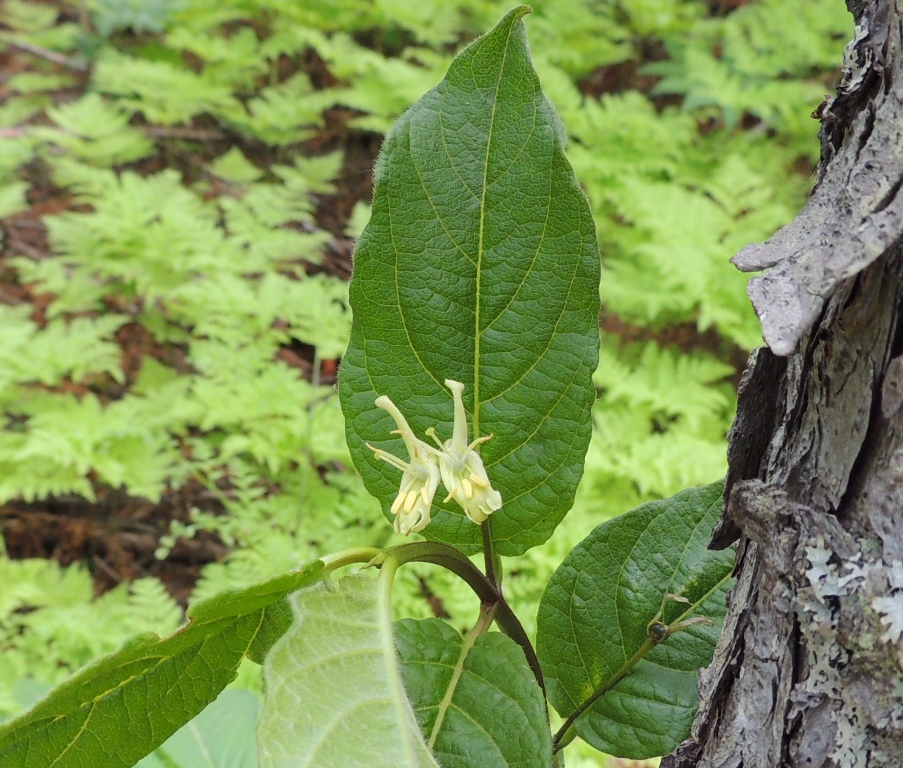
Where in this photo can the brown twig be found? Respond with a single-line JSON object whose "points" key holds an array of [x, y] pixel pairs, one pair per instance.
{"points": [[46, 53], [175, 132]]}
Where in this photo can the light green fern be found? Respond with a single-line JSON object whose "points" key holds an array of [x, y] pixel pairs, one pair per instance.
{"points": [[162, 91], [50, 625]]}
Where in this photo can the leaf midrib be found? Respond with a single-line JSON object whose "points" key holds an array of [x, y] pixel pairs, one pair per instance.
{"points": [[467, 643], [479, 276]]}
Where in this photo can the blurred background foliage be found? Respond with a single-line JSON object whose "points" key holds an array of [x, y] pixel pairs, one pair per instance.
{"points": [[180, 185]]}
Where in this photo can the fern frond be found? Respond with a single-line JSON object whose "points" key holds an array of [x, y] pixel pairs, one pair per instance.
{"points": [[234, 61], [163, 92], [96, 131], [667, 382], [379, 86], [74, 349], [287, 113]]}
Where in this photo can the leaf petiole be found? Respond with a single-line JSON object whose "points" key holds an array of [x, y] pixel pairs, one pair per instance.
{"points": [[453, 560], [368, 555]]}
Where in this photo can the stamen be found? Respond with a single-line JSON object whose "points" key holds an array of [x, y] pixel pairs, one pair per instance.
{"points": [[478, 481], [411, 501], [468, 488], [389, 458], [432, 433], [479, 440]]}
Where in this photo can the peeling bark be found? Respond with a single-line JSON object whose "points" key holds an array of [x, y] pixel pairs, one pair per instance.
{"points": [[809, 669]]}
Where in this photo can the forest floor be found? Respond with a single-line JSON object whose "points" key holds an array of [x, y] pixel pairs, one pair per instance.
{"points": [[116, 535]]}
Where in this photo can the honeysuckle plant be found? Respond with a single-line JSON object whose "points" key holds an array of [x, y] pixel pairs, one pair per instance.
{"points": [[474, 341]]}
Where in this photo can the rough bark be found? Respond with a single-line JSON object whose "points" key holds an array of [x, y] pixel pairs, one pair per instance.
{"points": [[808, 670]]}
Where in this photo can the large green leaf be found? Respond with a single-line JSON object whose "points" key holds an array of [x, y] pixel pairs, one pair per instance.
{"points": [[594, 614], [123, 706], [479, 264], [477, 702], [334, 695]]}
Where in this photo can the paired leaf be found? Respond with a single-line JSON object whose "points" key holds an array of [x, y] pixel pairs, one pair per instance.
{"points": [[123, 706], [594, 613], [477, 704], [334, 695], [479, 264]]}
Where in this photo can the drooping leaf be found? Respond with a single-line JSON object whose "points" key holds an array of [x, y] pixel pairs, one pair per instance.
{"points": [[334, 695], [477, 703], [123, 706], [222, 736], [594, 614], [479, 264]]}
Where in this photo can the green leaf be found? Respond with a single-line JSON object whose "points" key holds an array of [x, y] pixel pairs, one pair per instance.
{"points": [[477, 701], [479, 264], [124, 705], [137, 15], [12, 198], [334, 691], [222, 736], [235, 167], [594, 614]]}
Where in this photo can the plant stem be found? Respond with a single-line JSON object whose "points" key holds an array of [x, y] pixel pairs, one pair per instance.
{"points": [[350, 557], [315, 371], [453, 560], [567, 733], [493, 563], [387, 571], [491, 600], [84, 17]]}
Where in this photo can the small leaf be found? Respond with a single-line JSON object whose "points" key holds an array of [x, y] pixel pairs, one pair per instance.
{"points": [[123, 706], [12, 198], [480, 265], [334, 691], [594, 614], [235, 167], [478, 704]]}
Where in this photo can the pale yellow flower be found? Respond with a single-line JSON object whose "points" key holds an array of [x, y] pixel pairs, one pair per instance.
{"points": [[461, 467], [420, 475]]}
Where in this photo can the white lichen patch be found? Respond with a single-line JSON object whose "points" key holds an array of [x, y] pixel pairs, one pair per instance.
{"points": [[833, 608], [823, 574], [853, 743], [890, 607]]}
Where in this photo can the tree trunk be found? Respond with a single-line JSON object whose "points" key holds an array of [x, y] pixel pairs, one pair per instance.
{"points": [[808, 670]]}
